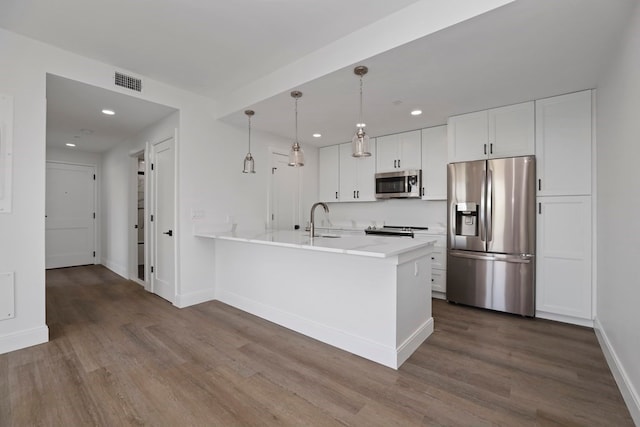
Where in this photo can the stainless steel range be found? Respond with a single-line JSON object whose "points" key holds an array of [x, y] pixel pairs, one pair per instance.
{"points": [[395, 230]]}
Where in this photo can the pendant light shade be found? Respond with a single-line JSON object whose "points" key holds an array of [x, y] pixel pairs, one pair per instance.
{"points": [[296, 155], [249, 164], [360, 141]]}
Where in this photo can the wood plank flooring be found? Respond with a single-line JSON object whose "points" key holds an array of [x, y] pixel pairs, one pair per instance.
{"points": [[121, 356]]}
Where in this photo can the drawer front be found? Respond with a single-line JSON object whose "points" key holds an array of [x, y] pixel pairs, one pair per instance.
{"points": [[439, 258], [438, 280]]}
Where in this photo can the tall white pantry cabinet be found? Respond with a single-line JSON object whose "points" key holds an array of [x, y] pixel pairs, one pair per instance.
{"points": [[564, 138]]}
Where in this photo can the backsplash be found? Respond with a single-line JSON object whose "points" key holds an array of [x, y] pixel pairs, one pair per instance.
{"points": [[417, 213]]}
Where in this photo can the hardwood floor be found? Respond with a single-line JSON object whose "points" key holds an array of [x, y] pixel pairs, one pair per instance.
{"points": [[121, 356]]}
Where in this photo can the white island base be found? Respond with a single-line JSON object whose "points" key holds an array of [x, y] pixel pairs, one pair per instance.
{"points": [[373, 304]]}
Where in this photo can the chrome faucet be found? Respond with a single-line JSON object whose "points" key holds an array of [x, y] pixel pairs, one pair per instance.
{"points": [[312, 228]]}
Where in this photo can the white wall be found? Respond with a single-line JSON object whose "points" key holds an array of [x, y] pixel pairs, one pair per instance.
{"points": [[117, 215], [618, 204], [209, 177], [73, 156]]}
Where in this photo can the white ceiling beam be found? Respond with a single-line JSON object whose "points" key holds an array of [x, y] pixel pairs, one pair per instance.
{"points": [[411, 23]]}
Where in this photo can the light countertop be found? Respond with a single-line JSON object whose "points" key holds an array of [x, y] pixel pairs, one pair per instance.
{"points": [[347, 243]]}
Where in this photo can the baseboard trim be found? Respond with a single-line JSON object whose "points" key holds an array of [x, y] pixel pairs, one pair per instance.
{"points": [[116, 268], [628, 391], [193, 298], [385, 355], [411, 344], [565, 319], [23, 339]]}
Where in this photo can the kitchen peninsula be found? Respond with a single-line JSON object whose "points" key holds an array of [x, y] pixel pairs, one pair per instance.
{"points": [[369, 295]]}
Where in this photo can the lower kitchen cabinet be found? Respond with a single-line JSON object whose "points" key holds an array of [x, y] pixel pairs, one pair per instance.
{"points": [[563, 266], [439, 267]]}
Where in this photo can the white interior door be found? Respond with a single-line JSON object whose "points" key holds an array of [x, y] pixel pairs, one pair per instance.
{"points": [[70, 215], [163, 225], [285, 194]]}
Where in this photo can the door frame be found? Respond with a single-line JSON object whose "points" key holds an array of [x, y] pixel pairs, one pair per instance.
{"points": [[283, 152], [96, 205], [133, 203], [150, 248]]}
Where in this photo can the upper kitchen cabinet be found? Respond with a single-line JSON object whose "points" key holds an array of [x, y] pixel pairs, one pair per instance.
{"points": [[329, 174], [434, 163], [357, 175], [498, 132], [563, 144], [400, 151]]}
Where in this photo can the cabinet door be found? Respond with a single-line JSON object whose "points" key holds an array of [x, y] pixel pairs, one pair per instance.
{"points": [[348, 173], [434, 163], [563, 282], [329, 174], [365, 176], [410, 153], [563, 144], [467, 137], [512, 131], [388, 149]]}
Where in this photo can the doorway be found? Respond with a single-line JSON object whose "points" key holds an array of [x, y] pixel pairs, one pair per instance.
{"points": [[70, 215], [284, 201], [140, 217], [162, 218]]}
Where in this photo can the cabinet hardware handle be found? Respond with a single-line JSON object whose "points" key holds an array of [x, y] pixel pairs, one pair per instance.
{"points": [[539, 208], [354, 194], [358, 192], [539, 184], [485, 148], [336, 195], [491, 148], [423, 192], [398, 162], [394, 164]]}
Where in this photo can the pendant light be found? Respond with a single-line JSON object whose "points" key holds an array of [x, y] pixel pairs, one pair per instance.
{"points": [[249, 164], [360, 141], [296, 155]]}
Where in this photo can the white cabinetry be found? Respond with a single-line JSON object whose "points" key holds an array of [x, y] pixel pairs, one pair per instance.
{"points": [[439, 267], [400, 151], [434, 163], [329, 174], [564, 259], [563, 144], [357, 175], [498, 132], [564, 288]]}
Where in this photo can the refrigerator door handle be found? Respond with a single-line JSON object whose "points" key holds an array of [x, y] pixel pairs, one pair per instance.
{"points": [[482, 219], [520, 259], [489, 212], [473, 255]]}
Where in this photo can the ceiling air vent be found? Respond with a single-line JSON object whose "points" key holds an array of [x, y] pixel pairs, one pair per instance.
{"points": [[128, 82]]}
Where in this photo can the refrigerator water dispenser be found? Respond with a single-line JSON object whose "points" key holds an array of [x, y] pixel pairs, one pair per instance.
{"points": [[467, 219]]}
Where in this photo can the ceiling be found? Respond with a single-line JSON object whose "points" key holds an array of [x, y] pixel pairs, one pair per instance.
{"points": [[528, 49], [74, 115]]}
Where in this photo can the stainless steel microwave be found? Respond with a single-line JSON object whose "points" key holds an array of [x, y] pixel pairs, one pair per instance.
{"points": [[399, 185]]}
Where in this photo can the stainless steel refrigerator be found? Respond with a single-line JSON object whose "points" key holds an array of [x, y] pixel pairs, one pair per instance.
{"points": [[491, 227]]}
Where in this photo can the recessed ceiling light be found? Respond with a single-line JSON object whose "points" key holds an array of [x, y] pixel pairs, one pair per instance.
{"points": [[361, 125], [68, 144], [317, 135], [108, 112], [416, 112]]}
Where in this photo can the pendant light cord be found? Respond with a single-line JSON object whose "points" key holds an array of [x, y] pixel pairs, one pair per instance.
{"points": [[360, 102], [249, 134], [296, 121]]}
